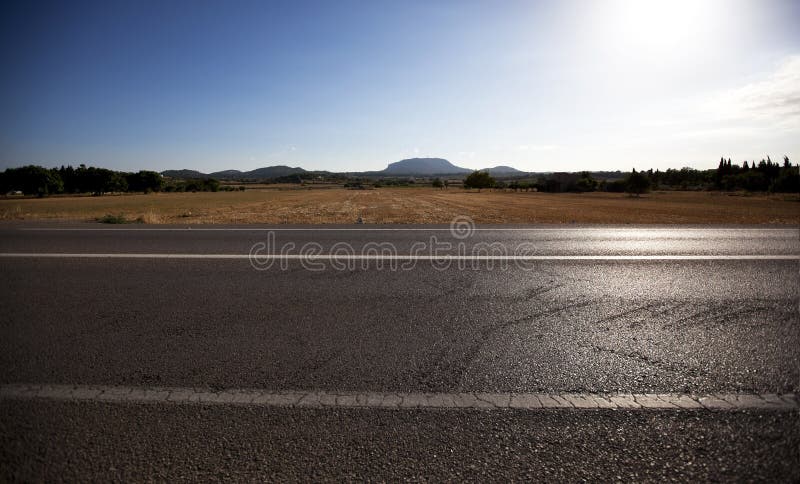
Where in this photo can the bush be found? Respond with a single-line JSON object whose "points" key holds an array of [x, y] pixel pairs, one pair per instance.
{"points": [[199, 185], [113, 219], [479, 179], [586, 183]]}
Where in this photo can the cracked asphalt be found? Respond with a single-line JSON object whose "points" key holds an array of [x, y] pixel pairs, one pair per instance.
{"points": [[649, 326], [61, 441], [639, 326]]}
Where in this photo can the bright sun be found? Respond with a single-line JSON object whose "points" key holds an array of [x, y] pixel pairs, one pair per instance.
{"points": [[657, 25]]}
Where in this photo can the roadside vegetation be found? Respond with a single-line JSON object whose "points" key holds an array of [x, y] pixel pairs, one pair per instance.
{"points": [[113, 219]]}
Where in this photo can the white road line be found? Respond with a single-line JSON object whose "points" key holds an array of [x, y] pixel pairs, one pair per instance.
{"points": [[345, 257], [321, 399]]}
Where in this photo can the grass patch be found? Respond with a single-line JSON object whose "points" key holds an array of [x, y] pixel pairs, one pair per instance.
{"points": [[113, 219], [150, 217]]}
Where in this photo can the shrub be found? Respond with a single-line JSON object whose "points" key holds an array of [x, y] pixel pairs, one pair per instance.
{"points": [[616, 186], [479, 179], [113, 219]]}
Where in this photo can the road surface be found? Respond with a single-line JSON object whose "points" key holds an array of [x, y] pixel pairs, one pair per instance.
{"points": [[418, 311]]}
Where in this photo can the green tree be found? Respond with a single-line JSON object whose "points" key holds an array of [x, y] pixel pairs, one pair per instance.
{"points": [[438, 183], [637, 183], [32, 180], [586, 183], [751, 181], [114, 181], [144, 181], [479, 180], [789, 179]]}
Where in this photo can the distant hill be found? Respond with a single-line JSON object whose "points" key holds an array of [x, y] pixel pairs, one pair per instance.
{"points": [[503, 170], [272, 172], [257, 174], [409, 167], [183, 174], [226, 174], [423, 166]]}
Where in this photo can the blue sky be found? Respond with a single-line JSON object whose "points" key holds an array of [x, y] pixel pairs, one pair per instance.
{"points": [[351, 86]]}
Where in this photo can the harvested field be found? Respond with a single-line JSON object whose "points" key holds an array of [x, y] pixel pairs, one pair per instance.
{"points": [[412, 205]]}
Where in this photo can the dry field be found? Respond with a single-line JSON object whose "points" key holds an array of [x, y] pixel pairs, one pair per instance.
{"points": [[412, 205]]}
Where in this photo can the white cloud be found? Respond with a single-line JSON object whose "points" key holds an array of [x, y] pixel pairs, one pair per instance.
{"points": [[536, 147], [774, 102]]}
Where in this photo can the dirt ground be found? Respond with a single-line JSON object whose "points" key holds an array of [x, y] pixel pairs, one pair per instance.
{"points": [[412, 205]]}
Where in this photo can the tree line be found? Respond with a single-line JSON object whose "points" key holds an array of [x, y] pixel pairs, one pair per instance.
{"points": [[36, 180], [764, 176]]}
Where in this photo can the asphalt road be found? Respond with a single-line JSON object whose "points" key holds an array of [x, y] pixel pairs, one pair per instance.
{"points": [[679, 325], [111, 442], [543, 239]]}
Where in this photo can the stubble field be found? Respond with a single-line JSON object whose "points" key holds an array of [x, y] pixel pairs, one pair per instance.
{"points": [[412, 205]]}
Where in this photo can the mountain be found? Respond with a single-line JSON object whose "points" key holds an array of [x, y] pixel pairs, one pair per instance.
{"points": [[257, 174], [272, 172], [226, 174], [183, 174], [503, 170], [423, 166], [407, 167]]}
